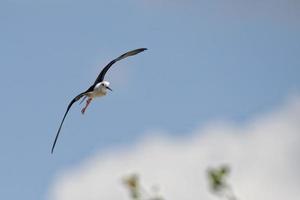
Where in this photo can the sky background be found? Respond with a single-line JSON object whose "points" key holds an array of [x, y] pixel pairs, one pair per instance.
{"points": [[208, 63]]}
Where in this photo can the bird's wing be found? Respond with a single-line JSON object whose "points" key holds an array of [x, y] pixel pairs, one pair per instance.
{"points": [[100, 77], [69, 106]]}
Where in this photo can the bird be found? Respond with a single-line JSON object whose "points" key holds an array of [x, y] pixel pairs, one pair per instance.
{"points": [[98, 89]]}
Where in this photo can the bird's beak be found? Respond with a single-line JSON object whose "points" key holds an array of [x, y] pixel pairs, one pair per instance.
{"points": [[108, 88]]}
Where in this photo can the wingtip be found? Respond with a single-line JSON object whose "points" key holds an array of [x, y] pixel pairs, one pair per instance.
{"points": [[140, 50]]}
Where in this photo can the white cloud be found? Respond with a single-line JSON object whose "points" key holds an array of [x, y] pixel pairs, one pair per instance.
{"points": [[263, 154]]}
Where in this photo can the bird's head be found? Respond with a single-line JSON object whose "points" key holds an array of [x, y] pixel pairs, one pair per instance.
{"points": [[105, 84]]}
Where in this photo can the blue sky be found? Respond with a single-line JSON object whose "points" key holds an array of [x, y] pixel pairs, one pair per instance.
{"points": [[207, 60]]}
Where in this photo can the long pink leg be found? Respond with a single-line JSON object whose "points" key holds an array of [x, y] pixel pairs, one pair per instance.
{"points": [[87, 104]]}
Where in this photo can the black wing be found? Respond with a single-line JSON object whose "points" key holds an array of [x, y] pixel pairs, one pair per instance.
{"points": [[100, 77], [69, 106]]}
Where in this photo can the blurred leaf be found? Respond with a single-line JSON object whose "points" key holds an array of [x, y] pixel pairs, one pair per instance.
{"points": [[217, 177], [132, 183], [137, 192], [218, 182]]}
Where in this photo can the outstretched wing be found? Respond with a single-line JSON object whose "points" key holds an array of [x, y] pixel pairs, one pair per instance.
{"points": [[100, 77], [69, 106]]}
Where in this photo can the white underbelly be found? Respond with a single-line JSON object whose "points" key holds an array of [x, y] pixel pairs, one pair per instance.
{"points": [[96, 94]]}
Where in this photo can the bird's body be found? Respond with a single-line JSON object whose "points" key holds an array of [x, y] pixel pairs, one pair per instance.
{"points": [[98, 89]]}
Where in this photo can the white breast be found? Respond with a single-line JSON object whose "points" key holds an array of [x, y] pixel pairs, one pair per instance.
{"points": [[98, 91]]}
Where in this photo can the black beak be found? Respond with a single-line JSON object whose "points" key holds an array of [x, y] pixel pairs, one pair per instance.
{"points": [[108, 88]]}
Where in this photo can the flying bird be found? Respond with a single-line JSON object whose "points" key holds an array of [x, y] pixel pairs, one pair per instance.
{"points": [[97, 89]]}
